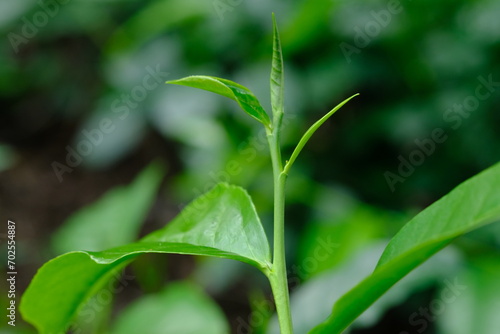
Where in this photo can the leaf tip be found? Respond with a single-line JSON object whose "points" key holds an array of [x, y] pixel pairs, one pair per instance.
{"points": [[275, 24]]}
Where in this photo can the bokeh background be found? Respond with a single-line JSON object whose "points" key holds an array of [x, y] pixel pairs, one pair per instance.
{"points": [[73, 70]]}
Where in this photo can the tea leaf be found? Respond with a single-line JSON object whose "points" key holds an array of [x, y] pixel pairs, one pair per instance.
{"points": [[222, 223], [245, 98], [471, 205], [277, 77]]}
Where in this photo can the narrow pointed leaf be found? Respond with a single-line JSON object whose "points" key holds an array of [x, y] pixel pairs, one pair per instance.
{"points": [[471, 205], [277, 76], [222, 223], [305, 138], [245, 98]]}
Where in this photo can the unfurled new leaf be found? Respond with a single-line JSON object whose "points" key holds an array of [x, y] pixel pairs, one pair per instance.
{"points": [[222, 223], [473, 204], [277, 77], [245, 98]]}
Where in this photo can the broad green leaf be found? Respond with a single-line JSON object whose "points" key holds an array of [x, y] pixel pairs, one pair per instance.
{"points": [[277, 77], [305, 138], [245, 98], [222, 223], [181, 308], [114, 219], [224, 219], [472, 204]]}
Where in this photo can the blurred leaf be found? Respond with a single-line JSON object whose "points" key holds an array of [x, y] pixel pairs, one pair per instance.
{"points": [[217, 275], [177, 116], [277, 76], [474, 309], [310, 20], [222, 223], [7, 157], [245, 98], [262, 312], [10, 13], [114, 219], [181, 308], [154, 18], [95, 314], [473, 204], [330, 243], [150, 271], [123, 136]]}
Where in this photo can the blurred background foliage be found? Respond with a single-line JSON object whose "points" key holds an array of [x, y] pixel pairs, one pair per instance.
{"points": [[68, 66]]}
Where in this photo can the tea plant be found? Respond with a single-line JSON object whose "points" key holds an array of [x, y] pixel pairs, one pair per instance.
{"points": [[224, 223]]}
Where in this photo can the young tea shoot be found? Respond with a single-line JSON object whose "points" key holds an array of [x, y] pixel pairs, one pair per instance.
{"points": [[64, 284]]}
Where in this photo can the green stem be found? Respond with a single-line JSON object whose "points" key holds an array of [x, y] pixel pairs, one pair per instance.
{"points": [[278, 275]]}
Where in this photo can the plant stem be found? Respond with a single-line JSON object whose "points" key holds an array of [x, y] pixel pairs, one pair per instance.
{"points": [[278, 275]]}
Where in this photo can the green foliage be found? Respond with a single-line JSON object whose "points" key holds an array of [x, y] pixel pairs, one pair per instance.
{"points": [[60, 287], [225, 222], [471, 205], [222, 223], [245, 98], [180, 308]]}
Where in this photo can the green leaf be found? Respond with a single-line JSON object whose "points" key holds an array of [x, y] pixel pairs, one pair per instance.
{"points": [[181, 308], [305, 138], [222, 223], [277, 77], [224, 219], [114, 219], [148, 21], [472, 204], [245, 98]]}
